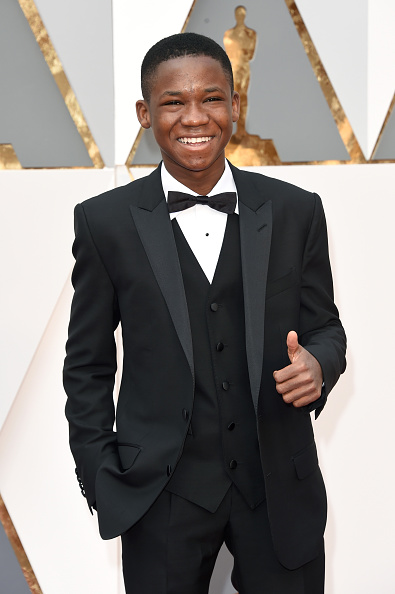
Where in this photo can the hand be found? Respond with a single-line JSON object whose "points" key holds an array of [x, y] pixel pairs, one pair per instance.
{"points": [[301, 382]]}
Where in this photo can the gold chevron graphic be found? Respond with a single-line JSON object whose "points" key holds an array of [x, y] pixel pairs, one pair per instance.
{"points": [[8, 158], [343, 125], [134, 148], [185, 25], [18, 549], [37, 26], [390, 109]]}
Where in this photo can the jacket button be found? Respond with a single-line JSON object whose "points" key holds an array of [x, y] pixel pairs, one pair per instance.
{"points": [[220, 347], [168, 470], [225, 386], [231, 426], [233, 464], [185, 414], [214, 306]]}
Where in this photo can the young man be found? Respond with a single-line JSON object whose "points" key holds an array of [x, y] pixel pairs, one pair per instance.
{"points": [[230, 339]]}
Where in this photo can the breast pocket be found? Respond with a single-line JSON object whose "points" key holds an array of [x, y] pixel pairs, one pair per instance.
{"points": [[281, 284]]}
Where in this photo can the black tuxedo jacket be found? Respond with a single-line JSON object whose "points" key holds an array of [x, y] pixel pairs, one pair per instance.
{"points": [[127, 270]]}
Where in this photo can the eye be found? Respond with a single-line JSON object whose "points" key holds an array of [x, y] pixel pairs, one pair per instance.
{"points": [[173, 102], [210, 99]]}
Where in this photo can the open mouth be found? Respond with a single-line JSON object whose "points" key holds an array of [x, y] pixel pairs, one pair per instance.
{"points": [[199, 140]]}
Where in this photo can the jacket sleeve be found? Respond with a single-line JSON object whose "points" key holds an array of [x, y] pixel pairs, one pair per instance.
{"points": [[322, 333], [90, 364]]}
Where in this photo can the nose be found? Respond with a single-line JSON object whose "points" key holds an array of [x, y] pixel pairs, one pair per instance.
{"points": [[194, 115]]}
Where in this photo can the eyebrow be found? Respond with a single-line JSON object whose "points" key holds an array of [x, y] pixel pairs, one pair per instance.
{"points": [[168, 93], [214, 90], [177, 93]]}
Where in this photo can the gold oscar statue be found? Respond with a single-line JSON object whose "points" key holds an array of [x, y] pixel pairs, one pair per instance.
{"points": [[240, 45], [244, 148]]}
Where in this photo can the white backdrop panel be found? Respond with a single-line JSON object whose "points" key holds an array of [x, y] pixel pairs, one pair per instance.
{"points": [[36, 236], [37, 479]]}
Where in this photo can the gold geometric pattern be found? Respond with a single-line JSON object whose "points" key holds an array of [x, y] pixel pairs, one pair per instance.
{"points": [[8, 158], [130, 157], [343, 125], [390, 110], [19, 551], [40, 33]]}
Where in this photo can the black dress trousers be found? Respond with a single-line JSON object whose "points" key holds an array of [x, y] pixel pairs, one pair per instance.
{"points": [[173, 549]]}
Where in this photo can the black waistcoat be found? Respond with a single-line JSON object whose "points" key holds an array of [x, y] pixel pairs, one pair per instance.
{"points": [[222, 443]]}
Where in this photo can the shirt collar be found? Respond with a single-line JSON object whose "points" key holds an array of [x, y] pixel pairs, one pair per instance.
{"points": [[226, 183]]}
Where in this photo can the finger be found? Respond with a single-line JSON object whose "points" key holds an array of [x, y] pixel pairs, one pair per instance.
{"points": [[298, 382], [284, 374], [309, 390], [305, 401], [292, 345], [297, 367], [307, 398]]}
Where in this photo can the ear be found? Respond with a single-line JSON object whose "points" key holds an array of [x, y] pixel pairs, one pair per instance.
{"points": [[143, 114], [235, 106]]}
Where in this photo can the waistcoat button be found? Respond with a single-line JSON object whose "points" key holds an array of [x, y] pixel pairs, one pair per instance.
{"points": [[185, 414], [231, 426], [168, 470], [214, 306], [225, 386], [233, 464], [220, 346]]}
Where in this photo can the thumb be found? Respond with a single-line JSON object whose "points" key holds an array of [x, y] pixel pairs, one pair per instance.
{"points": [[293, 345]]}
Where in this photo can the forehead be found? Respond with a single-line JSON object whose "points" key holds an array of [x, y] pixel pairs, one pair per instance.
{"points": [[188, 72]]}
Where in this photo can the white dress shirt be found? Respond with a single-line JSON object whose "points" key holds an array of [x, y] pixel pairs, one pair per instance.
{"points": [[202, 226]]}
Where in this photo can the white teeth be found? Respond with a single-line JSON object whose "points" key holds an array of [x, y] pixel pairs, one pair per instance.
{"points": [[187, 140]]}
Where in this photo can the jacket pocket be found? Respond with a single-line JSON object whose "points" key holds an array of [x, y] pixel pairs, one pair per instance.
{"points": [[306, 461], [128, 454], [281, 284]]}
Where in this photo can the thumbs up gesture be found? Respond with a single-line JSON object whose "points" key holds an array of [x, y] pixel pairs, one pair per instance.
{"points": [[299, 383]]}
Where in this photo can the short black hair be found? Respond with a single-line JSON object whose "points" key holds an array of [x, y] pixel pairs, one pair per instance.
{"points": [[177, 46]]}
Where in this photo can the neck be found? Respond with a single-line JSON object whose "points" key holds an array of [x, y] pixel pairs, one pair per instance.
{"points": [[201, 182], [201, 186]]}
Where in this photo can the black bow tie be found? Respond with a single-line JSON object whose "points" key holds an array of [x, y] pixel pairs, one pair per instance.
{"points": [[225, 202]]}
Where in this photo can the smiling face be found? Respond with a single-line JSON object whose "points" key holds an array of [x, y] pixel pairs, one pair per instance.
{"points": [[191, 111]]}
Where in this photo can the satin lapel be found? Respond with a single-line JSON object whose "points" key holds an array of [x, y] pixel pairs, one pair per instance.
{"points": [[255, 239], [156, 234]]}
